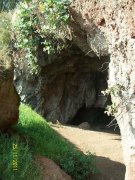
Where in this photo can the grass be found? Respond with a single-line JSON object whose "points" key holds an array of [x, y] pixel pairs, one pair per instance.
{"points": [[26, 167], [40, 139]]}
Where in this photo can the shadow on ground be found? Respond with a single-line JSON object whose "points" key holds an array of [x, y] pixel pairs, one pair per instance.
{"points": [[109, 170], [110, 130]]}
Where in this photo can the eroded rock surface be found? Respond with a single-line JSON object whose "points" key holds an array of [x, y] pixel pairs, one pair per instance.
{"points": [[50, 170], [9, 99], [84, 125], [65, 85], [116, 20], [74, 78]]}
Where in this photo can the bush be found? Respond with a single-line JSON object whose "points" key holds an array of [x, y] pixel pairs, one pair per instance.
{"points": [[41, 22]]}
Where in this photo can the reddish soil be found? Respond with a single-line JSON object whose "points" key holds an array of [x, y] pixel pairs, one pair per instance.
{"points": [[104, 145]]}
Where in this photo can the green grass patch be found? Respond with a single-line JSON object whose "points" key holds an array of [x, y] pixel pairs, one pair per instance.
{"points": [[13, 150], [41, 139]]}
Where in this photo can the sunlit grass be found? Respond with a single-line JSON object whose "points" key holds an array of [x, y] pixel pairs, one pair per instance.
{"points": [[35, 137]]}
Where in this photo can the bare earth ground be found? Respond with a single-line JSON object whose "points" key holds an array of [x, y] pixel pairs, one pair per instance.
{"points": [[105, 146]]}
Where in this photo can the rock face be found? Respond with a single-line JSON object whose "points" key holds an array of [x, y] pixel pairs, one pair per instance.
{"points": [[94, 117], [9, 99], [115, 19], [72, 79], [99, 28], [84, 125], [51, 171], [64, 85]]}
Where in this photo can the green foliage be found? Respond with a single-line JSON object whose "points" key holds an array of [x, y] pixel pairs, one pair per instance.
{"points": [[41, 22], [36, 137], [45, 141], [116, 92], [111, 109], [5, 30], [26, 167], [77, 165]]}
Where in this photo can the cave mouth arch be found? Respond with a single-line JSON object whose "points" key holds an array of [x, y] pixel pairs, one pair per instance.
{"points": [[96, 117]]}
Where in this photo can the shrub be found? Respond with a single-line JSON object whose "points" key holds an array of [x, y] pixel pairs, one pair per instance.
{"points": [[41, 22]]}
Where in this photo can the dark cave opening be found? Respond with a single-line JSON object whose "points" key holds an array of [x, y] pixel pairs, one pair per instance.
{"points": [[96, 117]]}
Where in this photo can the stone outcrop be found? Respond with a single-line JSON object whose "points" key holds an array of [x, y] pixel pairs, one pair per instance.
{"points": [[72, 79], [86, 34], [50, 170], [99, 28], [115, 19], [9, 99], [84, 125], [64, 84]]}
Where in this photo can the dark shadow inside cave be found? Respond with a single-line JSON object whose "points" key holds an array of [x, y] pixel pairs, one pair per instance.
{"points": [[96, 117]]}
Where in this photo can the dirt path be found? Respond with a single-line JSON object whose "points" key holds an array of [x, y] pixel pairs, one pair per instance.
{"points": [[105, 146]]}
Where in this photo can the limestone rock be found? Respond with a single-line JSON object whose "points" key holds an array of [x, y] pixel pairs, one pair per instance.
{"points": [[9, 99], [86, 34], [64, 86], [84, 125], [71, 79], [51, 171]]}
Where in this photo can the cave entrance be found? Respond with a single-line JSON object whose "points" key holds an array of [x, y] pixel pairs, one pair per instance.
{"points": [[96, 118]]}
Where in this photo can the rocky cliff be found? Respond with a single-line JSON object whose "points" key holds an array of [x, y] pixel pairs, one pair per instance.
{"points": [[65, 84], [116, 20], [72, 79], [9, 99]]}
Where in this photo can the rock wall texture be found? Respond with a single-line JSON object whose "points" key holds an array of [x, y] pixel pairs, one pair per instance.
{"points": [[9, 100], [102, 28], [50, 170], [72, 79], [64, 85], [116, 21]]}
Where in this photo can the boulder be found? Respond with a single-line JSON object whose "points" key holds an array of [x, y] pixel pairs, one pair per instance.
{"points": [[84, 125], [51, 171], [9, 99]]}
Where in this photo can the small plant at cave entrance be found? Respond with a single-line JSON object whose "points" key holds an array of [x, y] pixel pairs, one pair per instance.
{"points": [[116, 92], [41, 22]]}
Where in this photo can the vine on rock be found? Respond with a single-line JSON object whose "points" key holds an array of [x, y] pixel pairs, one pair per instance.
{"points": [[41, 22], [114, 91]]}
